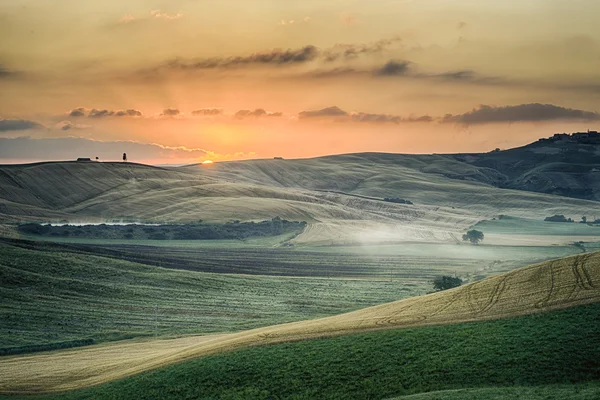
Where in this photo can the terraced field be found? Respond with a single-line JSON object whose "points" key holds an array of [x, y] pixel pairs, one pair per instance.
{"points": [[544, 287]]}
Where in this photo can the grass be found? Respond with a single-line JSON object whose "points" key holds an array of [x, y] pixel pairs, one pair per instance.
{"points": [[49, 294], [560, 347], [544, 287], [523, 226], [582, 391]]}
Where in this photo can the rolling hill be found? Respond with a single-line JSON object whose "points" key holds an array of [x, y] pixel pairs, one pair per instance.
{"points": [[341, 197], [552, 285]]}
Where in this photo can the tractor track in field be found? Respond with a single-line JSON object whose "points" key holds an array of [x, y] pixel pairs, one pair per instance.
{"points": [[562, 283]]}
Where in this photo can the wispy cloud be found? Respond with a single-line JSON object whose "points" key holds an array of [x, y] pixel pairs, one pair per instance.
{"points": [[337, 114], [154, 14], [257, 113], [8, 125]]}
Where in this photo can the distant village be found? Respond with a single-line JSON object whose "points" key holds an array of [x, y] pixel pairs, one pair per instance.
{"points": [[589, 137]]}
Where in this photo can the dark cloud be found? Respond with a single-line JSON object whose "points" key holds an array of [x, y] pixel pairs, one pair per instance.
{"points": [[521, 113], [77, 112], [96, 113], [273, 57], [68, 125], [325, 112], [376, 118], [6, 73], [259, 112], [207, 112], [352, 51], [7, 125], [393, 68], [338, 114], [128, 113], [170, 112], [25, 149]]}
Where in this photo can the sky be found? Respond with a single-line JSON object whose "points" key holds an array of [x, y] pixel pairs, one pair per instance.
{"points": [[184, 81]]}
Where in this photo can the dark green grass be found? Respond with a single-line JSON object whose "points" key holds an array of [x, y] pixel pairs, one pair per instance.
{"points": [[561, 347], [50, 295], [581, 391], [168, 231]]}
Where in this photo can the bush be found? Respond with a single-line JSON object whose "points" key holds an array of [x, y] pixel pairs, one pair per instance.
{"points": [[446, 282], [473, 236]]}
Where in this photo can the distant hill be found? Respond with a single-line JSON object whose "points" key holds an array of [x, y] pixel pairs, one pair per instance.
{"points": [[564, 167], [340, 196]]}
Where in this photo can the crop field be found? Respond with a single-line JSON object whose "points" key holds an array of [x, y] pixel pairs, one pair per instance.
{"points": [[524, 226], [556, 348], [52, 294], [548, 286]]}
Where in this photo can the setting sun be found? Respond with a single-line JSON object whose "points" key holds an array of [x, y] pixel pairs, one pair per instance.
{"points": [[206, 162]]}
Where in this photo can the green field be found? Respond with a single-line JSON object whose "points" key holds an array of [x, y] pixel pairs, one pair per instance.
{"points": [[519, 356], [523, 226], [50, 294]]}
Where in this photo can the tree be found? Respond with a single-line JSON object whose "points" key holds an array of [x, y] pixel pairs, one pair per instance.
{"points": [[584, 219], [446, 282], [473, 236], [124, 157]]}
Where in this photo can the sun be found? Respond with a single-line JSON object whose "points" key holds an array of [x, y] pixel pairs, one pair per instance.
{"points": [[206, 162]]}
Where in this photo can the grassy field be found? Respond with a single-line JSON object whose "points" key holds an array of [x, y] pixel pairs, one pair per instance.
{"points": [[561, 347], [524, 226], [51, 294], [581, 391], [538, 288]]}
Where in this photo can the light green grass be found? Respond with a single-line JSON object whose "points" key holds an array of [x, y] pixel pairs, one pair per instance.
{"points": [[50, 295], [524, 226]]}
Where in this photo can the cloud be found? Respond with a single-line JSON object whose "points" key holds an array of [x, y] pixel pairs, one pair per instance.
{"points": [[7, 125], [534, 112], [161, 15], [273, 57], [77, 112], [276, 57], [6, 73], [154, 14], [96, 113], [461, 25], [259, 112], [170, 112], [352, 51], [206, 112], [323, 113], [337, 114], [393, 68], [68, 125], [128, 113]]}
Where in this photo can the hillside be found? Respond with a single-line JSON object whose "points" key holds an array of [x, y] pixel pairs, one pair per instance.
{"points": [[549, 356], [548, 286], [565, 167], [341, 197]]}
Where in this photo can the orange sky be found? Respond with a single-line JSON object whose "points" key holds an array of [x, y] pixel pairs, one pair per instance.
{"points": [[248, 79]]}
